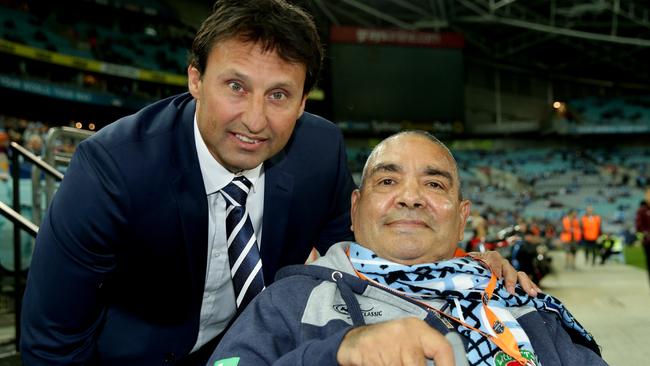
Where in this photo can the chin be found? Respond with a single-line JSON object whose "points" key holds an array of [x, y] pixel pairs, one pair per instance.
{"points": [[244, 164], [412, 256]]}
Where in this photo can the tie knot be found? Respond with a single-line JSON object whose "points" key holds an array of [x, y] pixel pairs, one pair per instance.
{"points": [[236, 191]]}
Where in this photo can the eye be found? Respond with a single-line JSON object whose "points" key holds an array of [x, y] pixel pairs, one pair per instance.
{"points": [[278, 95], [435, 185], [235, 86], [386, 182]]}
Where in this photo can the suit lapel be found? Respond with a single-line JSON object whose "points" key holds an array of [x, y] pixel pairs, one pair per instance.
{"points": [[193, 214], [278, 190], [189, 192]]}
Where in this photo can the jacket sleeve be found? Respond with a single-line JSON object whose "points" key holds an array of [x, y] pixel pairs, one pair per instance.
{"points": [[74, 254], [269, 332], [337, 228], [555, 346]]}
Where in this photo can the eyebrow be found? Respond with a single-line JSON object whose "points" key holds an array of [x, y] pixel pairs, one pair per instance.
{"points": [[238, 75], [246, 79], [395, 168], [385, 167], [431, 171]]}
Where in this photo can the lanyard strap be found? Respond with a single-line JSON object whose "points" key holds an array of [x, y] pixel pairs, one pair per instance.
{"points": [[503, 337]]}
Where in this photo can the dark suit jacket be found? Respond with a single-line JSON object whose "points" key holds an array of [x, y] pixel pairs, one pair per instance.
{"points": [[118, 271]]}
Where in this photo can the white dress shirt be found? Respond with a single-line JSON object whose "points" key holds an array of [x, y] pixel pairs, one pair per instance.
{"points": [[218, 305]]}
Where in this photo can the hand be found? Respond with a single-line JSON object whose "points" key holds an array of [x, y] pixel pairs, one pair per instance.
{"points": [[406, 341], [502, 269]]}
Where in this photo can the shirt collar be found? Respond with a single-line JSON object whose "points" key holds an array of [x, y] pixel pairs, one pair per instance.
{"points": [[215, 176]]}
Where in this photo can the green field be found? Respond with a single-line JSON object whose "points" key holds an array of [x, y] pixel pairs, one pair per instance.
{"points": [[634, 256]]}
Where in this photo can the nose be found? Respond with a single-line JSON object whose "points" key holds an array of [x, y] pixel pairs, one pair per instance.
{"points": [[410, 195], [254, 117]]}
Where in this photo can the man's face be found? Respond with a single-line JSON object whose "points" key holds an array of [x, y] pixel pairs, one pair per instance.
{"points": [[247, 102], [647, 195], [408, 209]]}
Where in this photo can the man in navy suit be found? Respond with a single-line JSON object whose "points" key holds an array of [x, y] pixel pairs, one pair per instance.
{"points": [[131, 265], [131, 262]]}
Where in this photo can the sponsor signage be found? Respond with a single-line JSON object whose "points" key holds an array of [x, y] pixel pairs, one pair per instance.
{"points": [[622, 127], [396, 37], [91, 65], [61, 92]]}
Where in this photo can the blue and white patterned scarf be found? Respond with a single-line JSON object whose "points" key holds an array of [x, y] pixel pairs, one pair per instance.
{"points": [[461, 282]]}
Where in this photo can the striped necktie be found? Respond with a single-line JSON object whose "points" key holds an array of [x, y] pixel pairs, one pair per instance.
{"points": [[243, 253]]}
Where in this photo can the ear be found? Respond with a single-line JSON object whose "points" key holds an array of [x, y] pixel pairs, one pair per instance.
{"points": [[193, 81], [463, 210], [353, 207]]}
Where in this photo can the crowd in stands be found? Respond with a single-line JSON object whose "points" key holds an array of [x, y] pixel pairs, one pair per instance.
{"points": [[30, 134], [148, 35], [120, 36], [546, 183]]}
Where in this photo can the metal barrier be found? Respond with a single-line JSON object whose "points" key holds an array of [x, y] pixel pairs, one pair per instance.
{"points": [[52, 175]]}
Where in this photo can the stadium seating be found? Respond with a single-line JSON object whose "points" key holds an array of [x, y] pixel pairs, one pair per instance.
{"points": [[606, 115], [76, 36]]}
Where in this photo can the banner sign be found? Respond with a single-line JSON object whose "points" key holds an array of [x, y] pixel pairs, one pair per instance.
{"points": [[66, 93], [396, 37], [394, 127], [622, 128], [91, 65]]}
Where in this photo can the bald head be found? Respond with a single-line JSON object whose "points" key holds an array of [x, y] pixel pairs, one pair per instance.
{"points": [[408, 209], [377, 151]]}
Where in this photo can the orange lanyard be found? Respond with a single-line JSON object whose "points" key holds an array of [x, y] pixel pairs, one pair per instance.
{"points": [[502, 337]]}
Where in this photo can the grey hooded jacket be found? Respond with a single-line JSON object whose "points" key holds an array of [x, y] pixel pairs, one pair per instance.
{"points": [[302, 318]]}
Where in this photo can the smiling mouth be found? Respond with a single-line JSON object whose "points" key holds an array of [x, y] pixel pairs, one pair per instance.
{"points": [[247, 139], [408, 223]]}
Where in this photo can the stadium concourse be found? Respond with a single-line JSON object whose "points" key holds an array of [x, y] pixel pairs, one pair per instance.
{"points": [[611, 301]]}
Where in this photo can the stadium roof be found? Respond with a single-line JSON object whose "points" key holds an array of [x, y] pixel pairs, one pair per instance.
{"points": [[601, 42]]}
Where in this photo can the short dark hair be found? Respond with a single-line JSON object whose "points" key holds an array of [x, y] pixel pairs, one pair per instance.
{"points": [[275, 24]]}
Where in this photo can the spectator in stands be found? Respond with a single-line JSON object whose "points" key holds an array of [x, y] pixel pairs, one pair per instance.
{"points": [[4, 142], [570, 237], [479, 230], [35, 144], [133, 261], [590, 233], [479, 225], [549, 234], [4, 159], [643, 226], [384, 299], [524, 249]]}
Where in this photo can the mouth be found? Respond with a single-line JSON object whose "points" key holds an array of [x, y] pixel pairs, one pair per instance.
{"points": [[248, 140], [408, 223]]}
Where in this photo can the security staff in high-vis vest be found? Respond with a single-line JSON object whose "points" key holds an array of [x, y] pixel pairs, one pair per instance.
{"points": [[570, 237], [590, 234]]}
